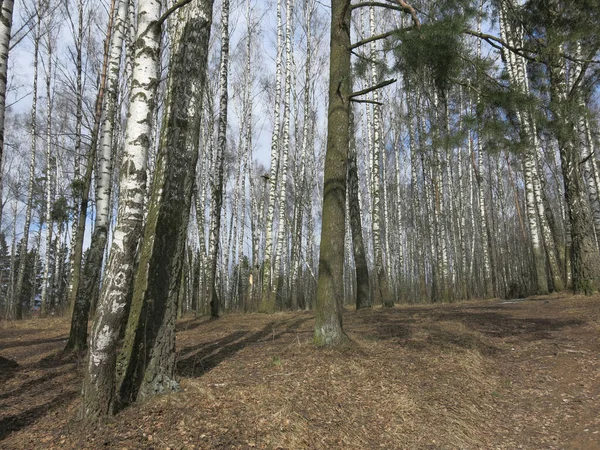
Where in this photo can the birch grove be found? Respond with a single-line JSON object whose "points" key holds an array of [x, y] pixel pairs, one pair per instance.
{"points": [[291, 155]]}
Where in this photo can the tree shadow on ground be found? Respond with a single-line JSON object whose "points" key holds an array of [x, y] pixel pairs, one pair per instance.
{"points": [[202, 358], [19, 421], [495, 324], [192, 323], [419, 328], [19, 343], [29, 387]]}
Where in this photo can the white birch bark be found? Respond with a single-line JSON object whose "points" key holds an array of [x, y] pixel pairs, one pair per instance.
{"points": [[89, 283], [6, 13], [49, 197], [217, 200], [98, 388], [268, 304], [278, 262], [16, 300]]}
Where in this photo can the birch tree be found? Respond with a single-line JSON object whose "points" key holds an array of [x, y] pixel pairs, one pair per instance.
{"points": [[147, 361], [6, 13], [98, 386], [217, 186]]}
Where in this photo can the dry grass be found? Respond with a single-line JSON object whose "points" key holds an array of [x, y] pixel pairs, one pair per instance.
{"points": [[472, 375]]}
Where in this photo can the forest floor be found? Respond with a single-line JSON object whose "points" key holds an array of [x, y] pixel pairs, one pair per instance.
{"points": [[474, 375]]}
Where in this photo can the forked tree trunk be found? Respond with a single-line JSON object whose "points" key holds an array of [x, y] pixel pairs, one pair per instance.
{"points": [[147, 361], [98, 385]]}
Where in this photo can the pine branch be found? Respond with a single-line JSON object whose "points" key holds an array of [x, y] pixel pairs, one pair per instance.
{"points": [[371, 39], [372, 88], [372, 102]]}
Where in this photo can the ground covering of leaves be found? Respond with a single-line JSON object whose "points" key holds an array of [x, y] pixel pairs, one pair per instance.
{"points": [[488, 375]]}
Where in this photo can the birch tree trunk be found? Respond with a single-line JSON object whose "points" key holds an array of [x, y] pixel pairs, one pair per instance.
{"points": [[98, 386], [72, 290], [90, 282], [17, 298], [49, 198], [217, 193], [6, 13], [278, 263], [147, 360], [268, 302]]}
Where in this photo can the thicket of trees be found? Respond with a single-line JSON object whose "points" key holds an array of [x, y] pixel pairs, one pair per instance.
{"points": [[189, 158]]}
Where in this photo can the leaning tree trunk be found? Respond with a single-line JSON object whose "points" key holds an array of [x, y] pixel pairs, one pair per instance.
{"points": [[90, 281], [147, 361], [98, 386]]}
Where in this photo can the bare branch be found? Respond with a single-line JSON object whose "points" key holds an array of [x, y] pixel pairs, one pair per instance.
{"points": [[410, 10], [171, 10], [372, 88], [377, 4]]}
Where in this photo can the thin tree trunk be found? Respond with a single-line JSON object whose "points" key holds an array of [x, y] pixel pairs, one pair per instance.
{"points": [[217, 194], [90, 282], [6, 13]]}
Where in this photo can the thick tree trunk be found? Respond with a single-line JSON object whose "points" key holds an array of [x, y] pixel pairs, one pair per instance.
{"points": [[147, 360], [98, 386], [330, 289], [585, 259]]}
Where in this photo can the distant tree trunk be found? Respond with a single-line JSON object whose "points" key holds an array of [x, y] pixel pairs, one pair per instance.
{"points": [[382, 291], [363, 297], [147, 360], [77, 150], [46, 288], [330, 289], [98, 386], [217, 193], [278, 262], [16, 300], [302, 182], [6, 13], [267, 303]]}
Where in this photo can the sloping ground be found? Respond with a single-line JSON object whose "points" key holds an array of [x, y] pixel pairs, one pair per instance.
{"points": [[489, 375]]}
